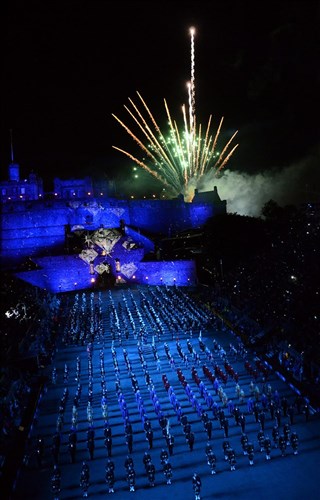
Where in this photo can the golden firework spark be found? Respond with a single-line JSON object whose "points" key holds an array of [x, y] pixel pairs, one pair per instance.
{"points": [[184, 155]]}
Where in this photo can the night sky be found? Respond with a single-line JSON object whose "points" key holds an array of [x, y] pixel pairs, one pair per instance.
{"points": [[68, 65]]}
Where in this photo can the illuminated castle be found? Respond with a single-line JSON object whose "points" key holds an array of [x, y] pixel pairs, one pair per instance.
{"points": [[15, 189], [35, 224]]}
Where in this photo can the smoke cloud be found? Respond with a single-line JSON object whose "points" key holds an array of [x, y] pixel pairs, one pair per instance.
{"points": [[247, 193]]}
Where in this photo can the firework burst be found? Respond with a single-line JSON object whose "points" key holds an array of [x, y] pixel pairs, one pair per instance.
{"points": [[184, 155]]}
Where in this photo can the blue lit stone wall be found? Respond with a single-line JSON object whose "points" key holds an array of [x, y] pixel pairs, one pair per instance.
{"points": [[38, 227], [93, 214], [52, 276], [170, 216], [28, 228], [200, 213]]}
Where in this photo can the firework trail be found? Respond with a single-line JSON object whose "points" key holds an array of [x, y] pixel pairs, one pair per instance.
{"points": [[180, 158], [192, 111]]}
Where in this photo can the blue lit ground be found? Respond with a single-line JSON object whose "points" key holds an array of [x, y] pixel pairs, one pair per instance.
{"points": [[291, 477]]}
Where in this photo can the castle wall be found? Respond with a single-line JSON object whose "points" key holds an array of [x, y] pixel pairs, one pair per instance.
{"points": [[29, 228], [38, 227], [169, 216]]}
